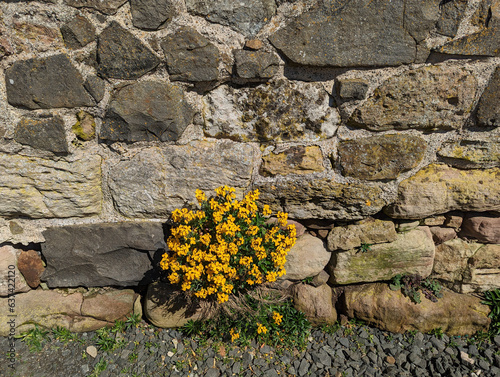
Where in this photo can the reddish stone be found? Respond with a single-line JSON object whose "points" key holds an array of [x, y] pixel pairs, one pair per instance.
{"points": [[31, 266], [440, 235], [484, 228]]}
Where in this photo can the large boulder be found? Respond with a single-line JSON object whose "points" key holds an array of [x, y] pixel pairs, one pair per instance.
{"points": [[455, 314], [315, 302]]}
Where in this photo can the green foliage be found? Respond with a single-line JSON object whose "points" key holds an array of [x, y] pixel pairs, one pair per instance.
{"points": [[63, 334], [133, 320], [331, 328], [492, 299], [308, 280], [99, 367], [413, 284], [437, 332], [365, 247], [106, 341], [34, 338]]}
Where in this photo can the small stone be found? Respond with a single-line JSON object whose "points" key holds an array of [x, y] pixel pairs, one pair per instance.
{"points": [[255, 64], [390, 359], [30, 264], [96, 87], [84, 128], [320, 279], [466, 358], [78, 32], [315, 303], [453, 220], [254, 44], [352, 89], [92, 351], [294, 160], [405, 226], [434, 221], [152, 14], [440, 235]]}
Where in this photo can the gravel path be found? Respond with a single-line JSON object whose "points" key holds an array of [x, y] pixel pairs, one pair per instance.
{"points": [[351, 350]]}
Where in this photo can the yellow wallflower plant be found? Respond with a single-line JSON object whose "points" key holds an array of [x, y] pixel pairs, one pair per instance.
{"points": [[226, 246]]}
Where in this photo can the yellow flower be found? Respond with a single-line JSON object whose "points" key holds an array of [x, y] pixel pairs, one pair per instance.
{"points": [[234, 335], [266, 211], [282, 217], [277, 318], [261, 329], [200, 196]]}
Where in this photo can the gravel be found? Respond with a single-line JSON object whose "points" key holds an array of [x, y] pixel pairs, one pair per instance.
{"points": [[350, 351]]}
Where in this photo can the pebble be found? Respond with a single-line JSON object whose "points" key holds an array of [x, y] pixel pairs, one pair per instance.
{"points": [[92, 351]]}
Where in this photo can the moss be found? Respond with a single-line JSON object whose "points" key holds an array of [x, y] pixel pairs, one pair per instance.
{"points": [[84, 128]]}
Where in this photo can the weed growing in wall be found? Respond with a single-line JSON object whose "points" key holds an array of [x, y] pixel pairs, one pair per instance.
{"points": [[492, 298], [413, 284]]}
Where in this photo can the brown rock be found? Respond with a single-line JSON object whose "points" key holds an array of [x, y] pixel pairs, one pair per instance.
{"points": [[30, 264], [453, 220], [482, 227], [295, 160], [390, 359], [455, 314], [254, 44], [434, 221], [8, 262], [308, 257], [320, 279], [109, 306], [315, 303], [484, 270], [440, 235]]}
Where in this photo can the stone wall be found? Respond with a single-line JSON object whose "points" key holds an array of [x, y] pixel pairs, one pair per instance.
{"points": [[370, 122]]}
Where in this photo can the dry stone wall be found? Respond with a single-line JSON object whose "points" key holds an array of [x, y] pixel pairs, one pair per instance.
{"points": [[373, 123]]}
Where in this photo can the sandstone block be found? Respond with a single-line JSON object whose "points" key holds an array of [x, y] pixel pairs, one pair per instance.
{"points": [[315, 302], [352, 89], [482, 227], [488, 112], [294, 160], [440, 235], [470, 153], [11, 279], [108, 305]]}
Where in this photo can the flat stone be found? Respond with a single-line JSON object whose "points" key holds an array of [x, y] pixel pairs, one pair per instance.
{"points": [[412, 252], [247, 17], [30, 265], [30, 36], [430, 98], [121, 55], [406, 225], [254, 44], [439, 189], [470, 153], [98, 255], [146, 111], [321, 198], [482, 43], [152, 14], [434, 220], [488, 112], [109, 305], [44, 83], [42, 133], [92, 351], [158, 180], [104, 6], [307, 258], [294, 160], [420, 17], [368, 231], [190, 56], [96, 87], [8, 262], [84, 128], [315, 302], [380, 157], [260, 114], [440, 234], [78, 32], [484, 270], [39, 188], [255, 64], [482, 227], [352, 89], [452, 14]]}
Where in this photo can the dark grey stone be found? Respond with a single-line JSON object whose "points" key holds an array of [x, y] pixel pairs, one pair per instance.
{"points": [[104, 6], [247, 17], [96, 87], [420, 16], [190, 56], [42, 133], [146, 110], [255, 64], [152, 14], [488, 110], [452, 13], [120, 55], [352, 89], [438, 344], [45, 83], [303, 368], [99, 255], [78, 32]]}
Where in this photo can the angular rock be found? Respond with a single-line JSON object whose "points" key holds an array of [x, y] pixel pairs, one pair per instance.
{"points": [[9, 271], [440, 235], [104, 6], [152, 14], [307, 258], [294, 160], [482, 15], [33, 37], [380, 157], [315, 302], [452, 14], [320, 279], [322, 198], [488, 109], [255, 64], [352, 89], [406, 225], [469, 153], [45, 83], [368, 231], [484, 270], [430, 98], [254, 44], [156, 181], [190, 56], [247, 17], [108, 305], [97, 255], [146, 110], [420, 17], [42, 133], [482, 227], [412, 252], [350, 34], [454, 220], [78, 32], [454, 313], [482, 43], [122, 56], [38, 188], [439, 189], [165, 309], [84, 128], [434, 220], [260, 114], [30, 265], [96, 87]]}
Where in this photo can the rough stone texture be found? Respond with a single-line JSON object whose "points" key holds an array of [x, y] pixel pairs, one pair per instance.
{"points": [[156, 181], [320, 279], [482, 227], [455, 314], [84, 128], [104, 6], [295, 160], [255, 64], [247, 17], [39, 188], [42, 133], [430, 98], [412, 252], [8, 259], [254, 44], [96, 87], [468, 153], [146, 110], [152, 14], [484, 270], [434, 220], [78, 32], [420, 17], [440, 235], [352, 89], [315, 302], [30, 265], [406, 225], [352, 34], [322, 199], [454, 220], [121, 55], [368, 231], [46, 83], [190, 56], [488, 110], [163, 309], [97, 255], [307, 258], [439, 189], [52, 308], [33, 36], [261, 114], [452, 13], [380, 157]]}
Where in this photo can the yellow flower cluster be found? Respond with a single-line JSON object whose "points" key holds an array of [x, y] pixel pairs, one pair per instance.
{"points": [[234, 335], [226, 246], [277, 318], [261, 329]]}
